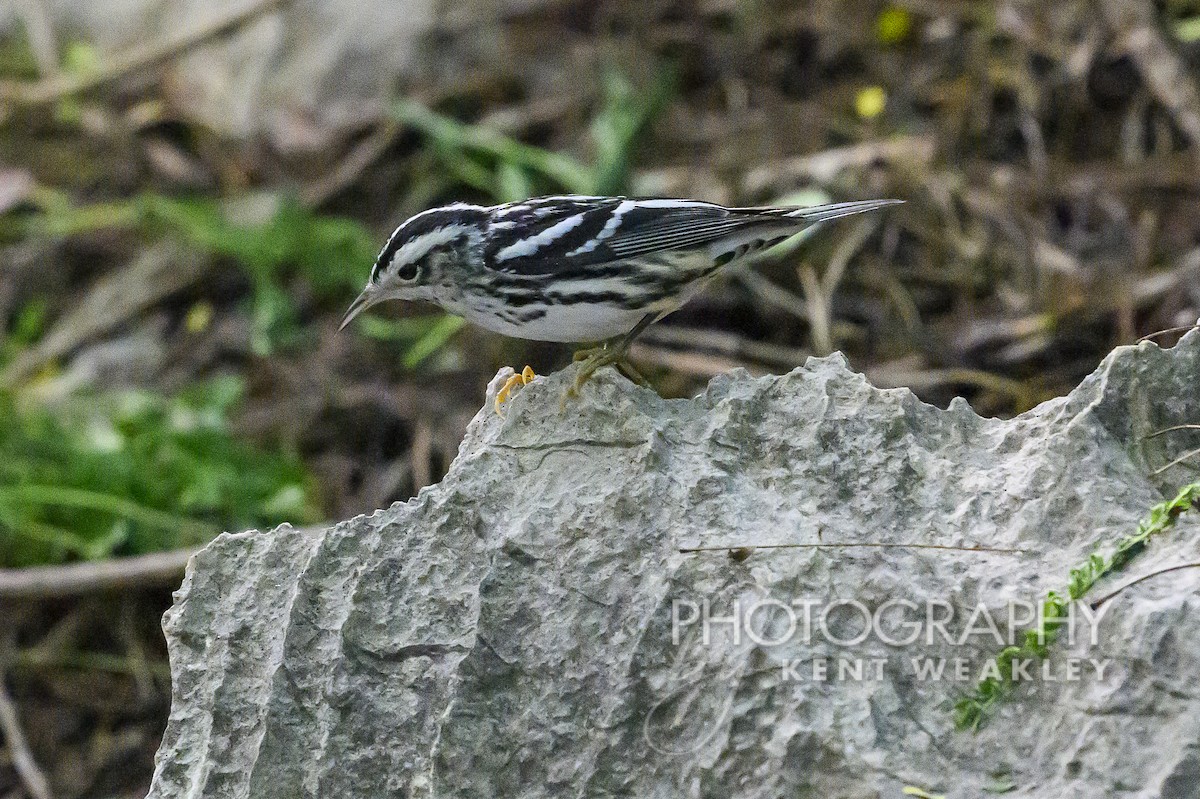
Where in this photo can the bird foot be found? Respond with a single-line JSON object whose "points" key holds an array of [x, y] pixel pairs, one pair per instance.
{"points": [[589, 362], [519, 380], [595, 359]]}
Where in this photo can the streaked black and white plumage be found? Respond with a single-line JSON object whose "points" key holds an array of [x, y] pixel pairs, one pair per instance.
{"points": [[575, 268]]}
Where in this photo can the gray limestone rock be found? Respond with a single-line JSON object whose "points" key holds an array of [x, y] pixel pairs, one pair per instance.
{"points": [[530, 627]]}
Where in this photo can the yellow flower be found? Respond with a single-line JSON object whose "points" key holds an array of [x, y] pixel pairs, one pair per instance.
{"points": [[870, 101]]}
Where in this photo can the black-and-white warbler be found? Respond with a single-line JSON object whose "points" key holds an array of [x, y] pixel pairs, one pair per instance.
{"points": [[575, 268]]}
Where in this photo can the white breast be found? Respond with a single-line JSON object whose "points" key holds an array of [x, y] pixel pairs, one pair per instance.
{"points": [[564, 323]]}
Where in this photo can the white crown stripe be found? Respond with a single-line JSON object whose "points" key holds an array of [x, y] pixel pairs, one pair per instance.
{"points": [[417, 248]]}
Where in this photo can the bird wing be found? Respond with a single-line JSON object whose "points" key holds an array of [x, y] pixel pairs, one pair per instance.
{"points": [[549, 235], [656, 225], [553, 235]]}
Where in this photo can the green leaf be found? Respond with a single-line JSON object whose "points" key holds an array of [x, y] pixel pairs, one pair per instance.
{"points": [[432, 341], [1187, 30]]}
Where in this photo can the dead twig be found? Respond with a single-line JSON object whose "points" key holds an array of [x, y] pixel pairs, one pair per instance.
{"points": [[1156, 173], [770, 293], [421, 453], [1185, 456], [735, 347], [352, 166], [137, 57], [819, 290], [889, 375], [1181, 458], [687, 362], [51, 582]]}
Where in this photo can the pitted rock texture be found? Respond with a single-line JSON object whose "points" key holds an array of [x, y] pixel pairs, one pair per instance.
{"points": [[529, 627]]}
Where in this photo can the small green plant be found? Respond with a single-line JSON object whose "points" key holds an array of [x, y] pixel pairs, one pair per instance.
{"points": [[332, 254], [135, 472], [972, 710], [506, 169], [29, 323]]}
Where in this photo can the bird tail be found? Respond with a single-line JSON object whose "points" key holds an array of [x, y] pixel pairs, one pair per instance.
{"points": [[823, 213]]}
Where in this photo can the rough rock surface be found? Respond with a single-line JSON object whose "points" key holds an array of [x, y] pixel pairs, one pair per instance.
{"points": [[508, 632]]}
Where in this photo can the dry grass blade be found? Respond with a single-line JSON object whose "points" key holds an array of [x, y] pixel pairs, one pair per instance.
{"points": [[1142, 579], [1168, 331], [31, 774], [741, 349], [819, 291], [825, 166], [688, 362], [892, 376], [1172, 429], [770, 293], [352, 166], [55, 88], [1184, 457], [158, 272]]}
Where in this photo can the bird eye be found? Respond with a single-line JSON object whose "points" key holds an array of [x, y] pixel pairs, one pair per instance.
{"points": [[407, 272]]}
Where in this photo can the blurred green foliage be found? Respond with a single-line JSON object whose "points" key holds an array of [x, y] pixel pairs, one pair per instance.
{"points": [[270, 237], [506, 169], [1187, 30], [331, 253], [134, 472]]}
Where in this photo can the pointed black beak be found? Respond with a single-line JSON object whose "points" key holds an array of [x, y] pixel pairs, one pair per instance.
{"points": [[360, 304]]}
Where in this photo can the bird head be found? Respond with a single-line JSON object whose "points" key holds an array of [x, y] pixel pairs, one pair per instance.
{"points": [[420, 257]]}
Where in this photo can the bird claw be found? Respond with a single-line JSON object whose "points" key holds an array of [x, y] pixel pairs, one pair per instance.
{"points": [[590, 361], [595, 359], [519, 380], [588, 352]]}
